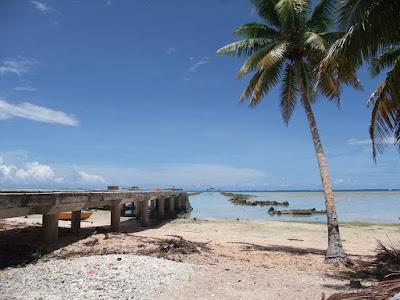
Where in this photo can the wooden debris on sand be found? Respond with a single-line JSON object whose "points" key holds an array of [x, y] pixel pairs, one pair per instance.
{"points": [[176, 245]]}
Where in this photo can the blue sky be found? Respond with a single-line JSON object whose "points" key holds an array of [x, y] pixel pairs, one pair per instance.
{"points": [[132, 93]]}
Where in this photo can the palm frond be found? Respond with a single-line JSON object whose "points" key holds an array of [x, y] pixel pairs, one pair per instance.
{"points": [[385, 117], [252, 63], [387, 59], [369, 30], [256, 30], [384, 122], [307, 81], [329, 86], [274, 56], [332, 36], [323, 15], [244, 47], [266, 10], [315, 42], [291, 13], [248, 91], [289, 92], [268, 78], [352, 11]]}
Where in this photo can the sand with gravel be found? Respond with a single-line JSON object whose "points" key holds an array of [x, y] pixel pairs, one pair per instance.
{"points": [[246, 260]]}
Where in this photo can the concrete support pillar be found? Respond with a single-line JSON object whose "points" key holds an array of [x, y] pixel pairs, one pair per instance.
{"points": [[153, 204], [171, 206], [145, 212], [50, 228], [115, 215], [76, 222], [160, 207], [180, 206], [133, 209], [138, 209]]}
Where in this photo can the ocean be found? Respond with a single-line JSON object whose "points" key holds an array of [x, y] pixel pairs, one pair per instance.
{"points": [[352, 206]]}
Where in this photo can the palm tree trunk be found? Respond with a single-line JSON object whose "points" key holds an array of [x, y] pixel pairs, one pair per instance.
{"points": [[335, 253]]}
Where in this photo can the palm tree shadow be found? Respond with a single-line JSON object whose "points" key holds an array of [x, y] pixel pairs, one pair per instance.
{"points": [[280, 248]]}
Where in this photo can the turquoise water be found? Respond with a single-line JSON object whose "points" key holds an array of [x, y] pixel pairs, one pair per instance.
{"points": [[351, 206]]}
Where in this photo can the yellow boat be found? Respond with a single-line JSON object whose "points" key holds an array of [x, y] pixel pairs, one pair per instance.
{"points": [[66, 215]]}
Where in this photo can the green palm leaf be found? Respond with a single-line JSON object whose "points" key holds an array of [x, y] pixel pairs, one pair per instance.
{"points": [[289, 92], [323, 15], [274, 56], [256, 30], [266, 10], [387, 59], [244, 47], [252, 63]]}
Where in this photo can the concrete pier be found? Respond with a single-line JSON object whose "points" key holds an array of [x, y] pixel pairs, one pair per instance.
{"points": [[51, 203]]}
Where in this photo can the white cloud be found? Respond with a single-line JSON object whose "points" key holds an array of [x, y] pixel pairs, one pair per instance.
{"points": [[108, 2], [90, 178], [42, 7], [170, 50], [339, 181], [365, 142], [17, 66], [182, 175], [37, 113], [25, 88], [32, 172], [196, 64]]}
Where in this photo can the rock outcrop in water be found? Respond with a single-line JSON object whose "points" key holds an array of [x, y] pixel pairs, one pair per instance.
{"points": [[298, 212], [241, 199]]}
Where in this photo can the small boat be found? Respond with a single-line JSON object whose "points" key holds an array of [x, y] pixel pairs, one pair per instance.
{"points": [[66, 215]]}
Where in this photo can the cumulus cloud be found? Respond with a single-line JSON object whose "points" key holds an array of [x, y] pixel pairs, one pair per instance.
{"points": [[90, 178], [32, 172], [42, 6], [37, 113], [17, 66]]}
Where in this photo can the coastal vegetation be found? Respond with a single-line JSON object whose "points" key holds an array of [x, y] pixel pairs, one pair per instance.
{"points": [[241, 199], [287, 48], [372, 35]]}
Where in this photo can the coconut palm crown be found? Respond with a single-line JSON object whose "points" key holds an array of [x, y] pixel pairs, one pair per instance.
{"points": [[286, 49], [372, 34]]}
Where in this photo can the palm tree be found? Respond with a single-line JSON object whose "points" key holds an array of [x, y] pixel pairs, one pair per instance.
{"points": [[373, 35], [287, 48]]}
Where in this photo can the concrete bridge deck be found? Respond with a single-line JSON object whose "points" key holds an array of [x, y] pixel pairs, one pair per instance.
{"points": [[51, 203]]}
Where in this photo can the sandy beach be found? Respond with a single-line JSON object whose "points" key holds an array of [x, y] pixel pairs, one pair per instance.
{"points": [[245, 259]]}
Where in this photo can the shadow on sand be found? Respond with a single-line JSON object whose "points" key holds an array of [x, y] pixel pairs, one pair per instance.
{"points": [[20, 244]]}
